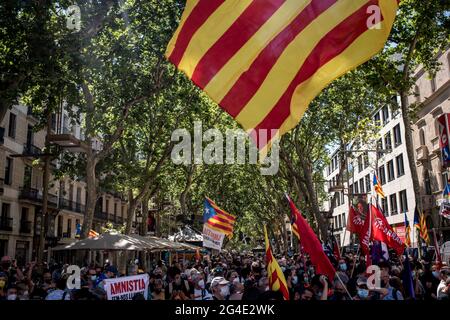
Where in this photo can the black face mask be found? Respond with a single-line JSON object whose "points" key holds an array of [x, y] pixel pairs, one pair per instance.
{"points": [[157, 290], [6, 265], [48, 281]]}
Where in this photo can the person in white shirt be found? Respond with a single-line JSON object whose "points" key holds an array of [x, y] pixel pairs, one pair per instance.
{"points": [[442, 287]]}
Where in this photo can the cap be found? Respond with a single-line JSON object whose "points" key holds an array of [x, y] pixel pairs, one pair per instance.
{"points": [[218, 280], [112, 269], [361, 281]]}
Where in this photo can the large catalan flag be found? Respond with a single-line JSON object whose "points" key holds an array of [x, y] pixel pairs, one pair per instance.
{"points": [[217, 218], [277, 281], [264, 61]]}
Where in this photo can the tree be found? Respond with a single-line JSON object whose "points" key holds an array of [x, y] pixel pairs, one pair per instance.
{"points": [[421, 30]]}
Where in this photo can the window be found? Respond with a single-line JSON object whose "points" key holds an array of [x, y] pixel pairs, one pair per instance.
{"points": [[8, 171], [5, 210], [427, 183], [417, 93], [422, 137], [27, 177], [388, 141], [433, 84], [382, 175], [351, 189], [12, 125], [403, 201], [30, 135], [368, 184], [60, 227], [385, 112], [393, 203], [361, 185], [380, 147], [107, 206], [384, 206], [69, 228], [397, 136], [366, 160], [360, 164], [376, 118], [356, 187], [400, 166], [390, 169]]}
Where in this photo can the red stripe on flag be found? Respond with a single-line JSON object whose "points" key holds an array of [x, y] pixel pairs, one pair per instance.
{"points": [[251, 80], [329, 47], [196, 19], [219, 226], [219, 218], [233, 39]]}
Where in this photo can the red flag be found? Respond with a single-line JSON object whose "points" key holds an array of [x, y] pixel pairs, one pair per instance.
{"points": [[355, 223], [336, 249], [365, 235], [382, 231], [311, 244]]}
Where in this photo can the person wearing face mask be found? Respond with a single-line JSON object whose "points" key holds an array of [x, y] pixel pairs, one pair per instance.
{"points": [[236, 290], [12, 293], [179, 284], [362, 291], [220, 288]]}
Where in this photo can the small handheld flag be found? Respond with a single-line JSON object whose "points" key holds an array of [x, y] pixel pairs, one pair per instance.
{"points": [[377, 186], [407, 232], [277, 281]]}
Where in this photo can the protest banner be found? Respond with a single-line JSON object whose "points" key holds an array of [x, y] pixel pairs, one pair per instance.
{"points": [[211, 238], [126, 288]]}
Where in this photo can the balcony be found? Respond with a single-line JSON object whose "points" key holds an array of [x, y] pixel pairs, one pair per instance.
{"points": [[31, 150], [436, 149], [25, 226], [35, 195], [6, 223], [101, 215], [422, 153], [71, 206]]}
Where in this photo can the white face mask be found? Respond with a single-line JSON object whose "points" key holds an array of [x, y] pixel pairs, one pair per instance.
{"points": [[201, 284], [225, 291], [236, 281], [12, 297]]}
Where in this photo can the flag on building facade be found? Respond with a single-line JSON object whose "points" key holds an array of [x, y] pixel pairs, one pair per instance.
{"points": [[311, 245], [421, 225], [218, 219], [264, 61], [377, 187], [277, 281], [407, 232], [446, 193]]}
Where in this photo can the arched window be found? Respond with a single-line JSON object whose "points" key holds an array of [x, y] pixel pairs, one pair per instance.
{"points": [[422, 137]]}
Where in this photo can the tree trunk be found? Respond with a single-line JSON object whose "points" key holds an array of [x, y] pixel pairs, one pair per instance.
{"points": [[309, 182], [410, 149], [91, 187], [144, 226], [130, 212]]}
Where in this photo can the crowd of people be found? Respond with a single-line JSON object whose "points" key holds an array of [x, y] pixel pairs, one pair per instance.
{"points": [[234, 276]]}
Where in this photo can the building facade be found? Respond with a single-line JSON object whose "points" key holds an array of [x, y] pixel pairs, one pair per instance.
{"points": [[388, 159], [433, 95], [21, 189]]}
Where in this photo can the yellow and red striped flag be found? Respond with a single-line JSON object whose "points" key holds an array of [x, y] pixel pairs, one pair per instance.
{"points": [[264, 61], [218, 219], [277, 281]]}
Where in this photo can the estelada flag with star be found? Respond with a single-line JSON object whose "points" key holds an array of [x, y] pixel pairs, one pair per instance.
{"points": [[277, 281], [218, 219], [264, 61]]}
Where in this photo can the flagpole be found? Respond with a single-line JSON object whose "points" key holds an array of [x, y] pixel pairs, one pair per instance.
{"points": [[345, 287]]}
